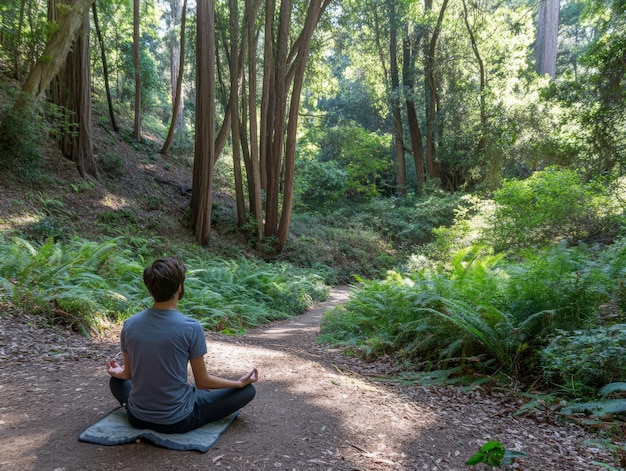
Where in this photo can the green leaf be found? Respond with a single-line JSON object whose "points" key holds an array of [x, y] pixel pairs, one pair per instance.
{"points": [[477, 458]]}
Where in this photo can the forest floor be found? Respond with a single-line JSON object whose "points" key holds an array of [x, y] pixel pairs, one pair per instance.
{"points": [[315, 409]]}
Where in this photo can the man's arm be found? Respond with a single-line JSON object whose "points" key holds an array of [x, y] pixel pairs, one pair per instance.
{"points": [[117, 371], [204, 380]]}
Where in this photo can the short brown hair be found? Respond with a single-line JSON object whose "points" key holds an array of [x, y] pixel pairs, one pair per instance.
{"points": [[163, 278]]}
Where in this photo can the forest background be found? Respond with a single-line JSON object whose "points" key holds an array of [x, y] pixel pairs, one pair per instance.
{"points": [[461, 163]]}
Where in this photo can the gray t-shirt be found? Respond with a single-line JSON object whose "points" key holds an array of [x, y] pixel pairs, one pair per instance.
{"points": [[160, 343]]}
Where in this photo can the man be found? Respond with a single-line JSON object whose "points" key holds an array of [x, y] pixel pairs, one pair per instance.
{"points": [[157, 344]]}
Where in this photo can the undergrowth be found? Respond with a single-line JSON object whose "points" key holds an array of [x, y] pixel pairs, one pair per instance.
{"points": [[88, 284]]}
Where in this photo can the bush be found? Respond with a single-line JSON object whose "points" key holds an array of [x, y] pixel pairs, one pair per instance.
{"points": [[583, 361], [340, 250], [551, 205], [22, 134]]}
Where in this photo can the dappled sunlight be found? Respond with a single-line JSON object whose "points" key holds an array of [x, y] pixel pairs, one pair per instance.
{"points": [[113, 201]]}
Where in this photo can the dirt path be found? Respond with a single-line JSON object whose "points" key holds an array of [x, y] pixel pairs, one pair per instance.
{"points": [[314, 410]]}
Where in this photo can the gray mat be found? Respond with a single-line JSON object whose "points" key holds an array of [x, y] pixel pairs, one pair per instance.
{"points": [[114, 429]]}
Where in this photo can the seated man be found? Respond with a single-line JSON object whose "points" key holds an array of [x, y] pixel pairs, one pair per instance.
{"points": [[157, 343]]}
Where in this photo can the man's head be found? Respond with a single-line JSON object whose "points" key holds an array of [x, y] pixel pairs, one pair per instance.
{"points": [[164, 277]]}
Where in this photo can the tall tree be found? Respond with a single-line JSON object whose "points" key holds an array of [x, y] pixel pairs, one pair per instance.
{"points": [[547, 36], [105, 68], [177, 84], [204, 151], [235, 72], [411, 45], [430, 73], [69, 21], [137, 63], [72, 92], [395, 96]]}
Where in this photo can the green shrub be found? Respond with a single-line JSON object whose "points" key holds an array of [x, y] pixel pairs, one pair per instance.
{"points": [[583, 361], [319, 186], [23, 131], [342, 251], [570, 282], [550, 205], [112, 164]]}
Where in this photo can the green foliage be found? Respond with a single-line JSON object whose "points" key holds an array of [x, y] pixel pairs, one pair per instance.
{"points": [[583, 361], [483, 311], [88, 284], [406, 222], [319, 185], [550, 205], [341, 248], [22, 133], [112, 164], [494, 454], [568, 282], [363, 155], [605, 407]]}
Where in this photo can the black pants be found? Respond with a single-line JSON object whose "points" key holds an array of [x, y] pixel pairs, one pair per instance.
{"points": [[210, 405]]}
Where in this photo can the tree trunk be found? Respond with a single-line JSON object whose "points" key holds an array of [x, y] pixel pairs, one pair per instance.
{"points": [[55, 53], [105, 69], [234, 109], [254, 168], [72, 91], [482, 140], [202, 183], [432, 99], [177, 107], [547, 35], [316, 8], [137, 62], [415, 133], [395, 98], [276, 123]]}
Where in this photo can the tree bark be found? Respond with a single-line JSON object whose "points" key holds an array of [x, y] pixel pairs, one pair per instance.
{"points": [[56, 51], [202, 183], [72, 91], [105, 69], [395, 99], [137, 62], [432, 98], [547, 36], [234, 110], [177, 108], [415, 133]]}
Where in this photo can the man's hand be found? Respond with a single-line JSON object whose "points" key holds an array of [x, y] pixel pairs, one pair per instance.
{"points": [[114, 369], [251, 377]]}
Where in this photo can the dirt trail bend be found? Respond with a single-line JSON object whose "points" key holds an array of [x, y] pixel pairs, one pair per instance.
{"points": [[314, 410]]}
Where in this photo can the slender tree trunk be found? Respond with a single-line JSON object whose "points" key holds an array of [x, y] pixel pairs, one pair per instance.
{"points": [[137, 62], [105, 69], [234, 110], [277, 130], [176, 108], [267, 93], [415, 133], [431, 84], [254, 168], [202, 184], [178, 10], [395, 98], [482, 141]]}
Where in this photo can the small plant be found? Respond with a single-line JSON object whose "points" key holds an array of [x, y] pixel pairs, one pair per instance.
{"points": [[494, 454], [112, 164]]}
